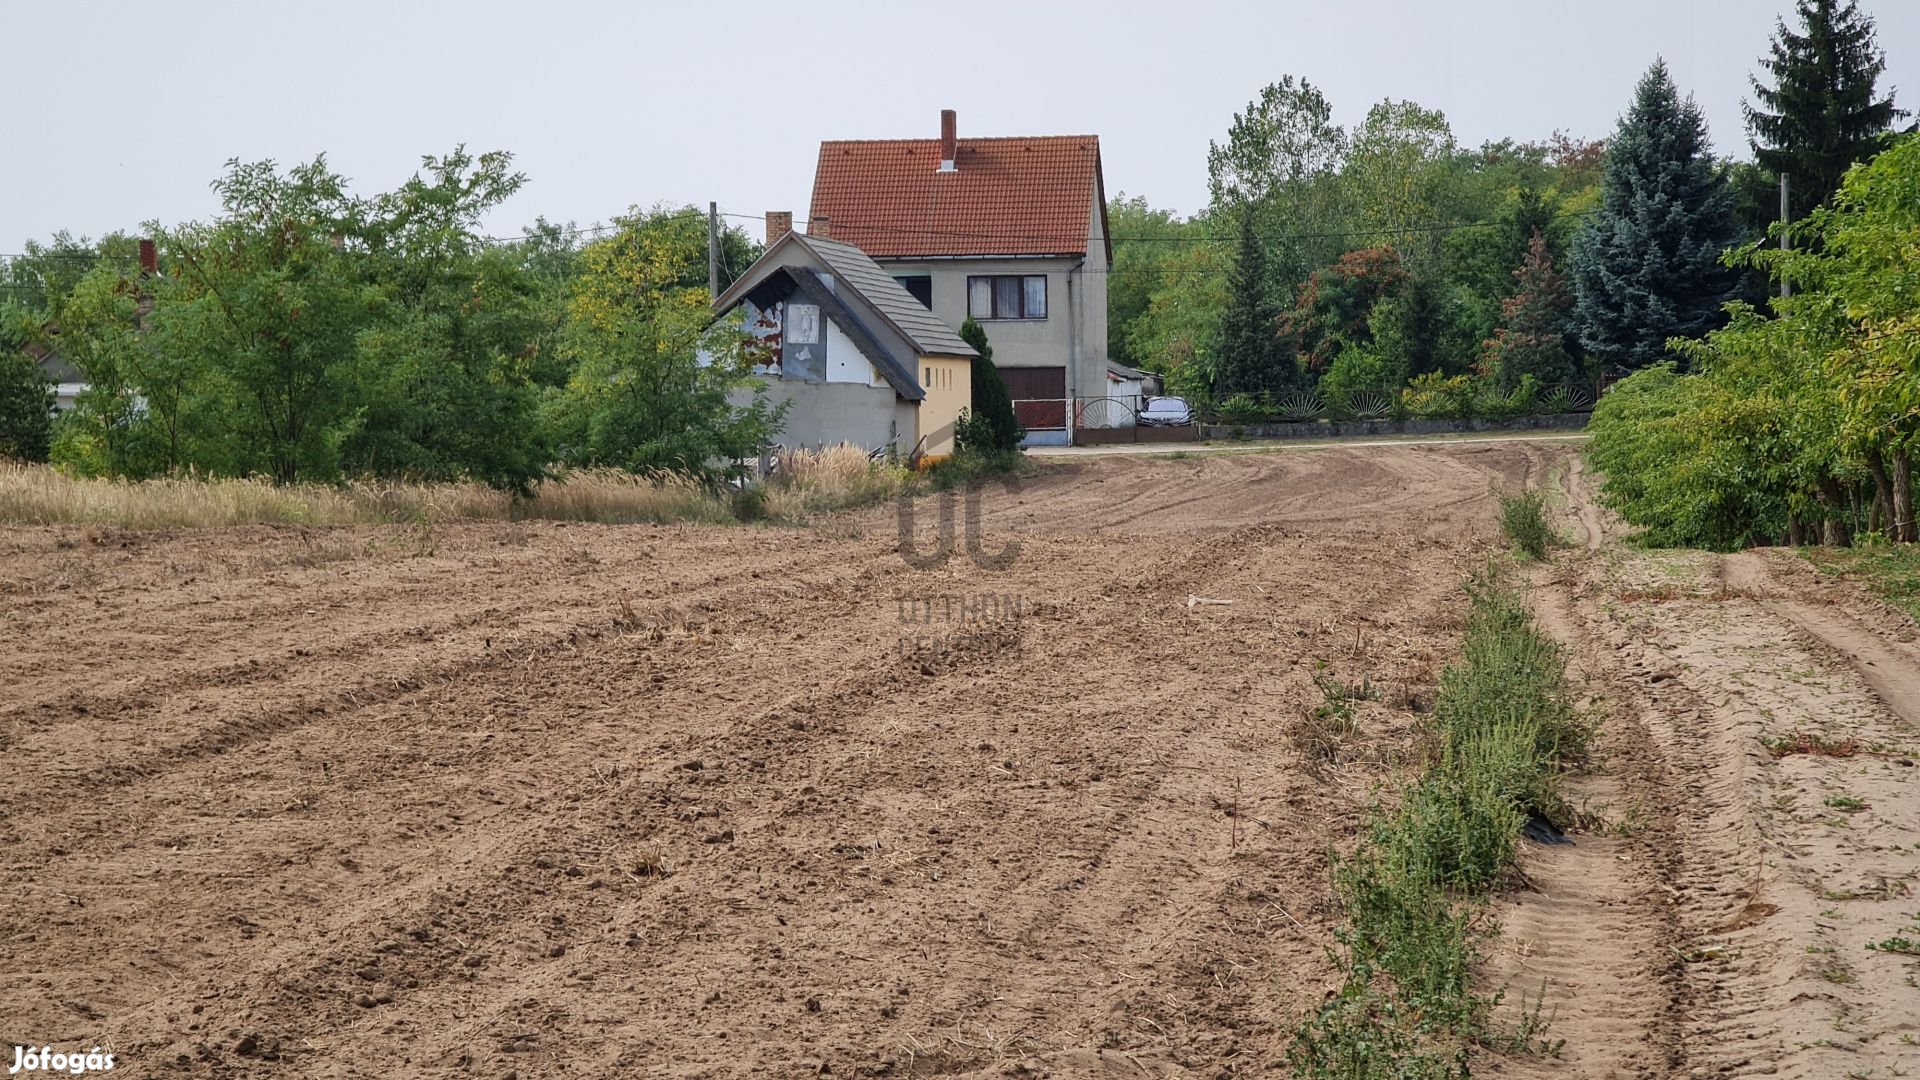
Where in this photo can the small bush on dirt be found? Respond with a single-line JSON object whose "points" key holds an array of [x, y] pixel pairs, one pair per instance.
{"points": [[749, 504], [1523, 518], [970, 466], [1365, 1031]]}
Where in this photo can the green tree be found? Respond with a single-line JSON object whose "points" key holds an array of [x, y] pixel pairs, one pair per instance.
{"points": [[1282, 159], [1401, 174], [266, 304], [1532, 339], [992, 425], [1179, 335], [1286, 137], [26, 395], [1254, 358], [1647, 268], [1823, 111], [654, 384], [444, 369], [1335, 307], [44, 273], [112, 430], [1147, 245]]}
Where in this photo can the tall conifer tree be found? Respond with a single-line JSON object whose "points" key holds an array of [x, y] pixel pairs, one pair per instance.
{"points": [[1253, 357], [1647, 267], [1823, 111]]}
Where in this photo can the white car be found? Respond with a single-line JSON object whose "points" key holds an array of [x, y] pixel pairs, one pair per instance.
{"points": [[1166, 412]]}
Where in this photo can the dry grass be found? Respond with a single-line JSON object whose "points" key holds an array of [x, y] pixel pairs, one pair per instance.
{"points": [[832, 479], [806, 484]]}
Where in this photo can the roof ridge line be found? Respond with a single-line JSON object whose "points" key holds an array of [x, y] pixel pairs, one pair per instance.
{"points": [[963, 140]]}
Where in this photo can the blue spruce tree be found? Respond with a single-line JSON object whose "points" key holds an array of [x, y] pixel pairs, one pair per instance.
{"points": [[1647, 266]]}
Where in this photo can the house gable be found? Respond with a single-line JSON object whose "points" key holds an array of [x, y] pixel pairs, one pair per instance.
{"points": [[874, 312]]}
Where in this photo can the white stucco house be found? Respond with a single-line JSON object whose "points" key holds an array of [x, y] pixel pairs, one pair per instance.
{"points": [[1010, 231]]}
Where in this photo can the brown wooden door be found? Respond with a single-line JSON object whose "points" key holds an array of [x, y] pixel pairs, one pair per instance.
{"points": [[1039, 396]]}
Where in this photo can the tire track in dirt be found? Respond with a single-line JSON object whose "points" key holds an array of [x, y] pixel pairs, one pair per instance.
{"points": [[1768, 899], [1586, 941], [1890, 668]]}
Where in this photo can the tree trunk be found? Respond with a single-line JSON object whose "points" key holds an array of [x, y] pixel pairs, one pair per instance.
{"points": [[1796, 536], [1902, 479], [1833, 503], [1880, 519]]}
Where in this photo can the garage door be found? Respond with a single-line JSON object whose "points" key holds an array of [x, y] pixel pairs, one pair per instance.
{"points": [[1039, 396]]}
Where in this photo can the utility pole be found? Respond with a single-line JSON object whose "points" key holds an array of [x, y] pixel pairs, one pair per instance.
{"points": [[713, 244], [1786, 217]]}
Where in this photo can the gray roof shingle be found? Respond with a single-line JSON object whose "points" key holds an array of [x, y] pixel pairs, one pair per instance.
{"points": [[928, 333]]}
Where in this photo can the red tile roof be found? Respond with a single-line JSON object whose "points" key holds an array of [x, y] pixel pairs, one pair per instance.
{"points": [[1012, 196]]}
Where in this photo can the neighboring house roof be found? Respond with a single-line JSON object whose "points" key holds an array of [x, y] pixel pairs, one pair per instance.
{"points": [[912, 318], [897, 371], [1027, 195], [849, 268], [1119, 370], [57, 367]]}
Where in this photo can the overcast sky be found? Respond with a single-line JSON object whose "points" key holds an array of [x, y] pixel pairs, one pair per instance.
{"points": [[122, 112]]}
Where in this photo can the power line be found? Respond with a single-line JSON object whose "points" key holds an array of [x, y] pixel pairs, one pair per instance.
{"points": [[1436, 227], [1006, 237]]}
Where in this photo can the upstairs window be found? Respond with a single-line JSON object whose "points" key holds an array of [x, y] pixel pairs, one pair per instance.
{"points": [[1009, 296], [920, 286]]}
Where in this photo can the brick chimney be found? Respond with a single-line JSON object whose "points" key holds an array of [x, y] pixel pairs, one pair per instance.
{"points": [[821, 226], [779, 224], [149, 259], [949, 139]]}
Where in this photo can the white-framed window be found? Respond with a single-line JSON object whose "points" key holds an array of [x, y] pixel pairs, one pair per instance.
{"points": [[1007, 296]]}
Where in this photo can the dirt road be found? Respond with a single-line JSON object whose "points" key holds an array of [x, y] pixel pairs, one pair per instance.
{"points": [[1753, 840], [758, 802]]}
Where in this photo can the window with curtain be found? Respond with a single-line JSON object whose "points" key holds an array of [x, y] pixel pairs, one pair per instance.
{"points": [[1007, 296]]}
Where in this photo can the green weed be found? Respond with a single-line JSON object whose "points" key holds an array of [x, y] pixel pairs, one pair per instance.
{"points": [[1504, 725], [1523, 517]]}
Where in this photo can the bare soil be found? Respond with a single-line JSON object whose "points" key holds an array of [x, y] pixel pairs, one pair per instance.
{"points": [[550, 800]]}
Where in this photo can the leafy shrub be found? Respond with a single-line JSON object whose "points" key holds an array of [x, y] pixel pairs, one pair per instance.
{"points": [[1434, 396], [1491, 403], [1685, 462], [1355, 369], [1242, 408], [969, 466], [1523, 518]]}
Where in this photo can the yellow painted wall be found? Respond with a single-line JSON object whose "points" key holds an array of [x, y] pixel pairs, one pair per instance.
{"points": [[949, 387]]}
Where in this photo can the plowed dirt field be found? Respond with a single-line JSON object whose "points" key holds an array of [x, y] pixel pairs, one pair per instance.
{"points": [[574, 800]]}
